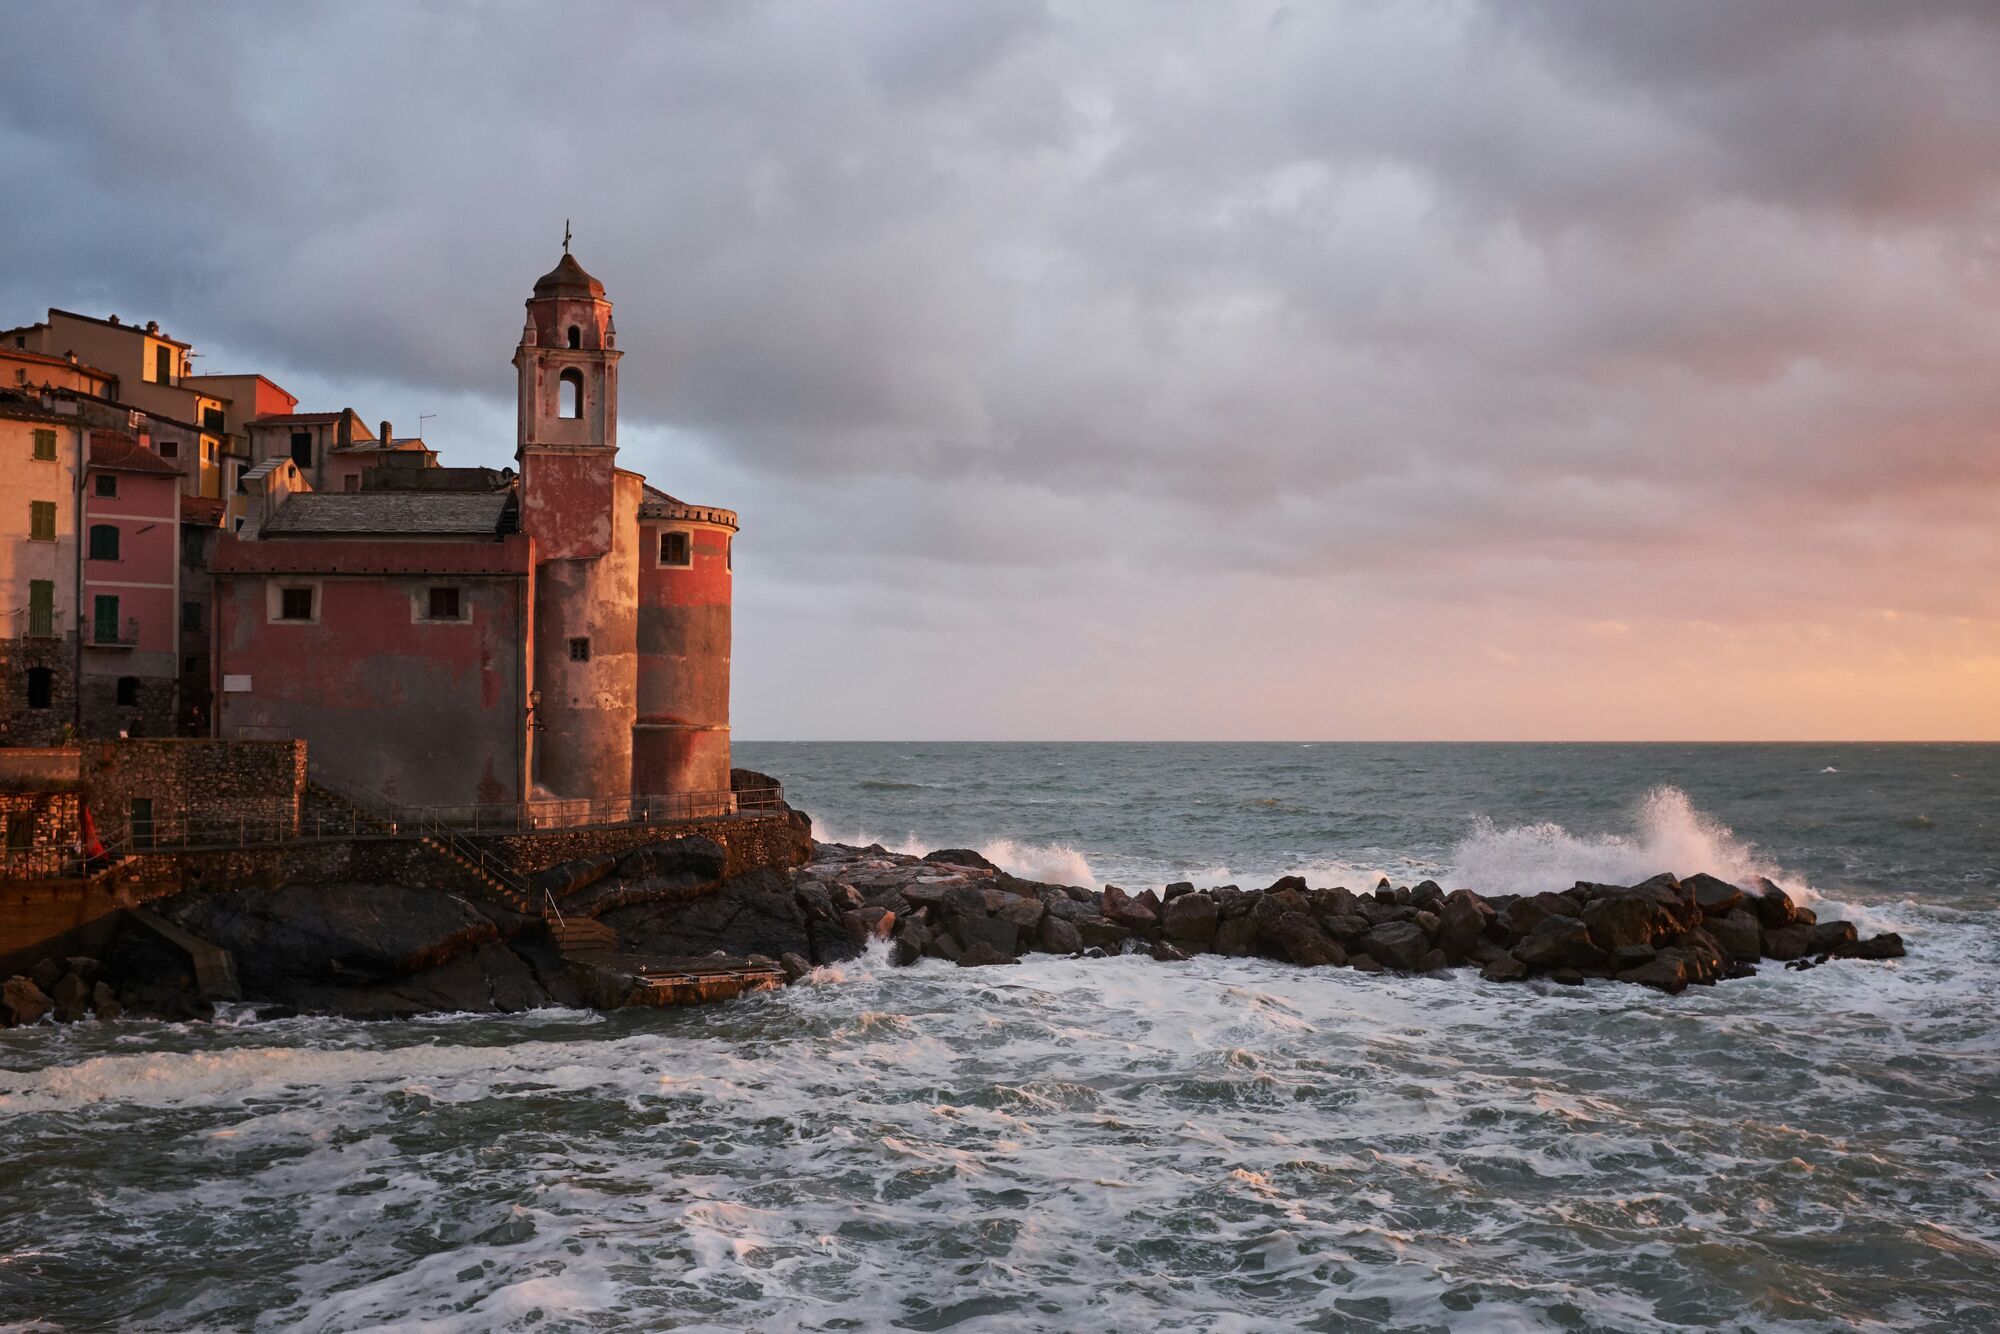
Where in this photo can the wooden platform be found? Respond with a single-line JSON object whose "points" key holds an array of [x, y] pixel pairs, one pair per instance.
{"points": [[620, 981]]}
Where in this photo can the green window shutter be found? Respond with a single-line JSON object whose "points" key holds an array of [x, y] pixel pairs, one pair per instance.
{"points": [[106, 620], [41, 607], [45, 444], [42, 520], [103, 541]]}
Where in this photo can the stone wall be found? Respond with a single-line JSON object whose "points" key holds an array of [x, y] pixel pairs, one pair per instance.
{"points": [[246, 789], [152, 712], [19, 724], [753, 841], [38, 831]]}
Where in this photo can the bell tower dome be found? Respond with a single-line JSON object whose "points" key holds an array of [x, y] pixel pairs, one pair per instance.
{"points": [[568, 363]]}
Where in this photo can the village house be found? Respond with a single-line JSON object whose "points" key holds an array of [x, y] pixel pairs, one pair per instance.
{"points": [[478, 637]]}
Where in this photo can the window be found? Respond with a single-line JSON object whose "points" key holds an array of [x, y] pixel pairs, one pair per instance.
{"points": [[104, 620], [128, 691], [302, 448], [728, 553], [444, 604], [572, 393], [170, 449], [42, 520], [575, 336], [190, 665], [103, 541], [163, 365], [142, 822], [45, 444], [295, 604], [190, 616], [351, 482], [41, 608], [21, 830], [579, 650], [41, 687], [211, 419], [106, 484], [676, 548]]}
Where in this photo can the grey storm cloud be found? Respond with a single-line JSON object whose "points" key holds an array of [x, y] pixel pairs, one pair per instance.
{"points": [[1518, 304]]}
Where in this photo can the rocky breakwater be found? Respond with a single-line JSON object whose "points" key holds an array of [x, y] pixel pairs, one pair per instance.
{"points": [[1666, 933]]}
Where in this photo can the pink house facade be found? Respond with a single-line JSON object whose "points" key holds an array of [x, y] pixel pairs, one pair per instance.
{"points": [[130, 605]]}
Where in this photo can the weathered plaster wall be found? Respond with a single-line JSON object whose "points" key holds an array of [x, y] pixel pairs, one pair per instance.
{"points": [[681, 735]]}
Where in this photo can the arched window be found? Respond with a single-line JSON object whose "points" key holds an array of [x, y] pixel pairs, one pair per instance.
{"points": [[572, 393], [575, 336]]}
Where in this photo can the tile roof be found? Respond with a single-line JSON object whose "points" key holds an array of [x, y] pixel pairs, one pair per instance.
{"points": [[205, 511], [468, 513], [293, 555], [303, 419], [121, 453]]}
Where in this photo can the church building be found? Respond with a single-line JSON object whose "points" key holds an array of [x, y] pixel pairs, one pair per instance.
{"points": [[461, 636]]}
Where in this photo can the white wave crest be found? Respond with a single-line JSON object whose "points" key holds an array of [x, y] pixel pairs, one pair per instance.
{"points": [[1054, 863], [1670, 835]]}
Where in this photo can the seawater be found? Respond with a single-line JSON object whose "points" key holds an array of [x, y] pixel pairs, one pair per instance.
{"points": [[1219, 1145]]}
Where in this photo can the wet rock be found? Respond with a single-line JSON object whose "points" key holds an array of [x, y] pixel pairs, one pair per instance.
{"points": [[45, 974], [1631, 956], [1428, 894], [697, 857], [72, 999], [1702, 957], [1713, 896], [1167, 952], [1738, 933], [905, 950], [1505, 968], [22, 1002], [1566, 977], [1664, 972], [1191, 917], [1002, 935], [1827, 937], [84, 966], [1175, 890], [1398, 944], [1070, 910], [1234, 935], [1788, 942], [1347, 928], [1365, 963], [960, 857], [1523, 915], [1025, 913], [1433, 962], [1296, 882], [846, 898], [1301, 940], [865, 924], [1127, 911], [1460, 925], [982, 955], [1151, 902], [1426, 921], [1558, 942], [1774, 906], [1100, 932], [1271, 906], [104, 1003], [1058, 936], [1888, 945], [793, 966], [1625, 918]]}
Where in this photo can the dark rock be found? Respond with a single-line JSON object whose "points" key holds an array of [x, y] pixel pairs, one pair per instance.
{"points": [[343, 934], [754, 913], [1804, 916], [962, 900], [1070, 910], [1233, 936], [1002, 935], [1398, 944], [565, 878], [1558, 942], [981, 955], [816, 901], [1460, 924], [1702, 956], [906, 950], [1347, 927], [1098, 931], [45, 974], [694, 856], [1175, 890], [104, 1003], [865, 924], [1504, 968], [72, 999], [1774, 907], [1426, 921], [1433, 962], [1787, 942], [1301, 940], [919, 894], [1127, 911], [795, 966], [1525, 914], [84, 966], [1365, 963], [1566, 977], [1428, 894], [1713, 896], [1274, 904], [1624, 918], [1827, 937], [943, 945], [1631, 956], [1025, 913], [846, 898], [22, 1002], [1191, 917], [1297, 882], [1150, 901], [1483, 951], [1664, 972], [960, 857], [1888, 945], [1166, 952], [1058, 936], [1738, 933]]}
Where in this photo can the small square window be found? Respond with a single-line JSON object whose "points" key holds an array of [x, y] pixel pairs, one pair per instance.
{"points": [[295, 604], [444, 604], [676, 548], [106, 484], [579, 650], [170, 449]]}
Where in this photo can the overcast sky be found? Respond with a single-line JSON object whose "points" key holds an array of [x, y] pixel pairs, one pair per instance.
{"points": [[1316, 371]]}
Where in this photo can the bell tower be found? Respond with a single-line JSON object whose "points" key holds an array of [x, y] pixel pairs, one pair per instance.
{"points": [[581, 509]]}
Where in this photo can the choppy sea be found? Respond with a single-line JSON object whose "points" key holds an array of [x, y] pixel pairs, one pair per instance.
{"points": [[1115, 1145]]}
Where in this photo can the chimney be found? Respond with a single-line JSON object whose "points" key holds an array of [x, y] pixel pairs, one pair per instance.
{"points": [[387, 438], [114, 319], [344, 435], [152, 326]]}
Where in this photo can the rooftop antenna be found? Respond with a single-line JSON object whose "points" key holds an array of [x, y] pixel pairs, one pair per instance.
{"points": [[565, 236], [423, 417]]}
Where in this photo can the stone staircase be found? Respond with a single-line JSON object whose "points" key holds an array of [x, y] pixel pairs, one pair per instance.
{"points": [[494, 880], [582, 940]]}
